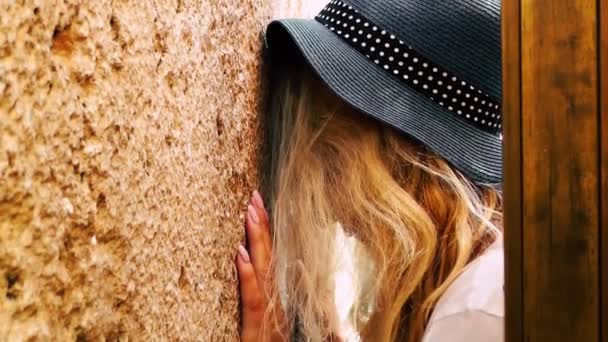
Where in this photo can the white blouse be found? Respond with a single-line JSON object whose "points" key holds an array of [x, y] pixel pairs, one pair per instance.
{"points": [[472, 308]]}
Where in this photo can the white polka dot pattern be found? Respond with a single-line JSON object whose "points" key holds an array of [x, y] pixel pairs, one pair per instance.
{"points": [[410, 67]]}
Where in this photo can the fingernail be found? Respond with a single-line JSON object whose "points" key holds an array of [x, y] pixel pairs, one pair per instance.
{"points": [[244, 254], [258, 199], [253, 214]]}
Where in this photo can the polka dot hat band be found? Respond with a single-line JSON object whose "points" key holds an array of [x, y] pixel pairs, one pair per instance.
{"points": [[403, 62]]}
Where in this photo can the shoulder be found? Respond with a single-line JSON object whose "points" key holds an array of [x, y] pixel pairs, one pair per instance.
{"points": [[466, 326], [478, 288], [475, 300]]}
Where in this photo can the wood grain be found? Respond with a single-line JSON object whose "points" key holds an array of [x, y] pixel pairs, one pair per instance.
{"points": [[603, 41], [512, 152], [560, 170]]}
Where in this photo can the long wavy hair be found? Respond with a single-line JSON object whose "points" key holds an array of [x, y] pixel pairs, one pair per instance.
{"points": [[417, 219]]}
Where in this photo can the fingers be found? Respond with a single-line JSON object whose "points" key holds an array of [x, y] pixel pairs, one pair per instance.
{"points": [[258, 204], [264, 218], [258, 238], [253, 266], [252, 301]]}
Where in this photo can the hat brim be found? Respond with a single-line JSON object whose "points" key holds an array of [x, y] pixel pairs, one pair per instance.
{"points": [[374, 92]]}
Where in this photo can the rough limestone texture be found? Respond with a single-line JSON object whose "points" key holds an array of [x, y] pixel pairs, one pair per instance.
{"points": [[128, 148], [298, 8]]}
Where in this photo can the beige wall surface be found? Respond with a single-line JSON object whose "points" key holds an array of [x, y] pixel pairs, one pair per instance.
{"points": [[298, 8], [128, 138]]}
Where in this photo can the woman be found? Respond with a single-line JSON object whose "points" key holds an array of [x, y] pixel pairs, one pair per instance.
{"points": [[384, 123]]}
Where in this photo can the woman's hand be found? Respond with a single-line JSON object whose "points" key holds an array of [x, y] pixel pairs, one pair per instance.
{"points": [[253, 266]]}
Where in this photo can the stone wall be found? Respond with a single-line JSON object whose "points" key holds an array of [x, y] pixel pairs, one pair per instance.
{"points": [[128, 138]]}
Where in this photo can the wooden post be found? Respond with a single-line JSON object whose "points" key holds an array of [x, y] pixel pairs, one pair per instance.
{"points": [[603, 41], [511, 46], [555, 170]]}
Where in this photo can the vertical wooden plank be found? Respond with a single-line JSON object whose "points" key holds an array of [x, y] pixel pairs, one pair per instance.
{"points": [[560, 170], [511, 60], [603, 42]]}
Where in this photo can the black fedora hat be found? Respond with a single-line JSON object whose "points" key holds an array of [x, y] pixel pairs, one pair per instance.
{"points": [[429, 68]]}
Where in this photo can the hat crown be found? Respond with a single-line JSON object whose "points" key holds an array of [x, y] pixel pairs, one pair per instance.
{"points": [[463, 36]]}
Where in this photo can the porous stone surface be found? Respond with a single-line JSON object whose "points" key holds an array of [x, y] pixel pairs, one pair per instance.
{"points": [[298, 8], [128, 148]]}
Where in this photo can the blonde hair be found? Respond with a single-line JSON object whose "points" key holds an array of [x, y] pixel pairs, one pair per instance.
{"points": [[418, 219]]}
